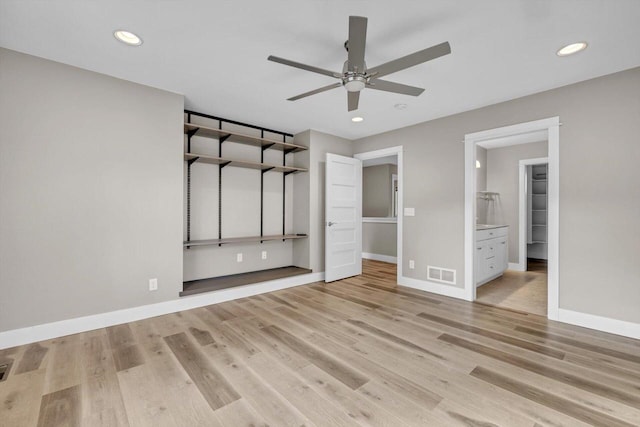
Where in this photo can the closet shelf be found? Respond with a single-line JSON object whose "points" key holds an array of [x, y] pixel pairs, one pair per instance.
{"points": [[250, 239], [241, 163], [208, 132]]}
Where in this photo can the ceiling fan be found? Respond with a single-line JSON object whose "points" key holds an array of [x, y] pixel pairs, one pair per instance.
{"points": [[356, 76]]}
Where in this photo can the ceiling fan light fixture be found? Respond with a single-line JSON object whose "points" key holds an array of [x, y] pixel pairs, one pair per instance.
{"points": [[356, 119], [354, 83], [572, 48]]}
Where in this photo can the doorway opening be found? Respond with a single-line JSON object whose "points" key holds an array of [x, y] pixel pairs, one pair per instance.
{"points": [[518, 187], [511, 216], [382, 208]]}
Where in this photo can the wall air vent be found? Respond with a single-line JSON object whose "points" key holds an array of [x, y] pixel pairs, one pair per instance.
{"points": [[4, 370], [442, 275]]}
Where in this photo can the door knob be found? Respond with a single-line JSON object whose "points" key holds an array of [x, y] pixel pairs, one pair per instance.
{"points": [[329, 224]]}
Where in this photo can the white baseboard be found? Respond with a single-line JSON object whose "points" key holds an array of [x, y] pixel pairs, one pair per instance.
{"points": [[433, 287], [605, 324], [61, 328], [378, 257], [516, 267]]}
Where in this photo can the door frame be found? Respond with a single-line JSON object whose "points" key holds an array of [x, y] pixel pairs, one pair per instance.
{"points": [[552, 126], [522, 209], [385, 152]]}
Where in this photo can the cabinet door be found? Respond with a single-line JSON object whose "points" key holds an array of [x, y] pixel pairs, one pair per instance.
{"points": [[502, 256], [480, 261]]}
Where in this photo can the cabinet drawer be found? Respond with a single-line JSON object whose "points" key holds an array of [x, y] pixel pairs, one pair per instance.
{"points": [[492, 233]]}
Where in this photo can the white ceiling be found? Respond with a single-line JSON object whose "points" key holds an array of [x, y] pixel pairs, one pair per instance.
{"points": [[215, 52]]}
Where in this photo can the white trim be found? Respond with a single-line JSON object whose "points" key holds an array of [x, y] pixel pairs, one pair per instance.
{"points": [[399, 151], [600, 323], [516, 267], [47, 331], [379, 257], [522, 209], [552, 125], [435, 288], [380, 220], [553, 222]]}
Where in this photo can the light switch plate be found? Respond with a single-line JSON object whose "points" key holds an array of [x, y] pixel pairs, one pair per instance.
{"points": [[153, 284], [264, 254], [412, 264], [409, 211]]}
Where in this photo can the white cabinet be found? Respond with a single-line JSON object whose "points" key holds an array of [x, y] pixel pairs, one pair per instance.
{"points": [[491, 253]]}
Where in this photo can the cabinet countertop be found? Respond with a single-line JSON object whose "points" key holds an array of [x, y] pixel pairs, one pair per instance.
{"points": [[488, 226]]}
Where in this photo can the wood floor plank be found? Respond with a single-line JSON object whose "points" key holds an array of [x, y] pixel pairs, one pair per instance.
{"points": [[294, 389], [102, 401], [557, 403], [203, 337], [32, 358], [240, 413], [160, 393], [61, 408], [547, 351], [598, 388], [20, 398], [357, 407], [635, 358], [391, 337], [337, 369], [213, 386], [258, 393], [126, 353], [354, 300]]}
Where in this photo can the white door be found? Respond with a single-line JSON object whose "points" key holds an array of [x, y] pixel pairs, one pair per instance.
{"points": [[343, 218]]}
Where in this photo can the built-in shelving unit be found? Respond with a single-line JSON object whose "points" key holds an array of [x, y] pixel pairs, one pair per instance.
{"points": [[249, 239], [220, 137], [202, 158], [537, 221]]}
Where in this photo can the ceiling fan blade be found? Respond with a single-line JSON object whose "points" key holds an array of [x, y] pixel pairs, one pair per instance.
{"points": [[352, 100], [304, 66], [356, 43], [313, 92], [411, 60], [388, 86]]}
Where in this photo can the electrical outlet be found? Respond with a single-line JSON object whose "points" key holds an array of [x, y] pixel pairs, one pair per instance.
{"points": [[239, 257], [264, 254], [412, 264], [153, 284]]}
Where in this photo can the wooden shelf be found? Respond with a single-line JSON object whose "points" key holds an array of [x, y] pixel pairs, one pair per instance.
{"points": [[208, 132], [241, 163], [250, 239], [225, 282]]}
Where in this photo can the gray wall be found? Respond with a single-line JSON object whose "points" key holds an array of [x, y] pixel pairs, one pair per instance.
{"points": [[377, 198], [503, 176], [599, 188], [91, 192], [481, 185], [379, 238]]}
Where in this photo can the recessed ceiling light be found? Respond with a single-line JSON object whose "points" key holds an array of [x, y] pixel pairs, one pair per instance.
{"points": [[356, 119], [400, 106], [572, 48], [127, 37]]}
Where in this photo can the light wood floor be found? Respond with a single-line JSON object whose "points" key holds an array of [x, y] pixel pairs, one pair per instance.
{"points": [[355, 352], [518, 290]]}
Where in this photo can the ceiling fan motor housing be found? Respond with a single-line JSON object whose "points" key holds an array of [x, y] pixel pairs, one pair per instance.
{"points": [[354, 80]]}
